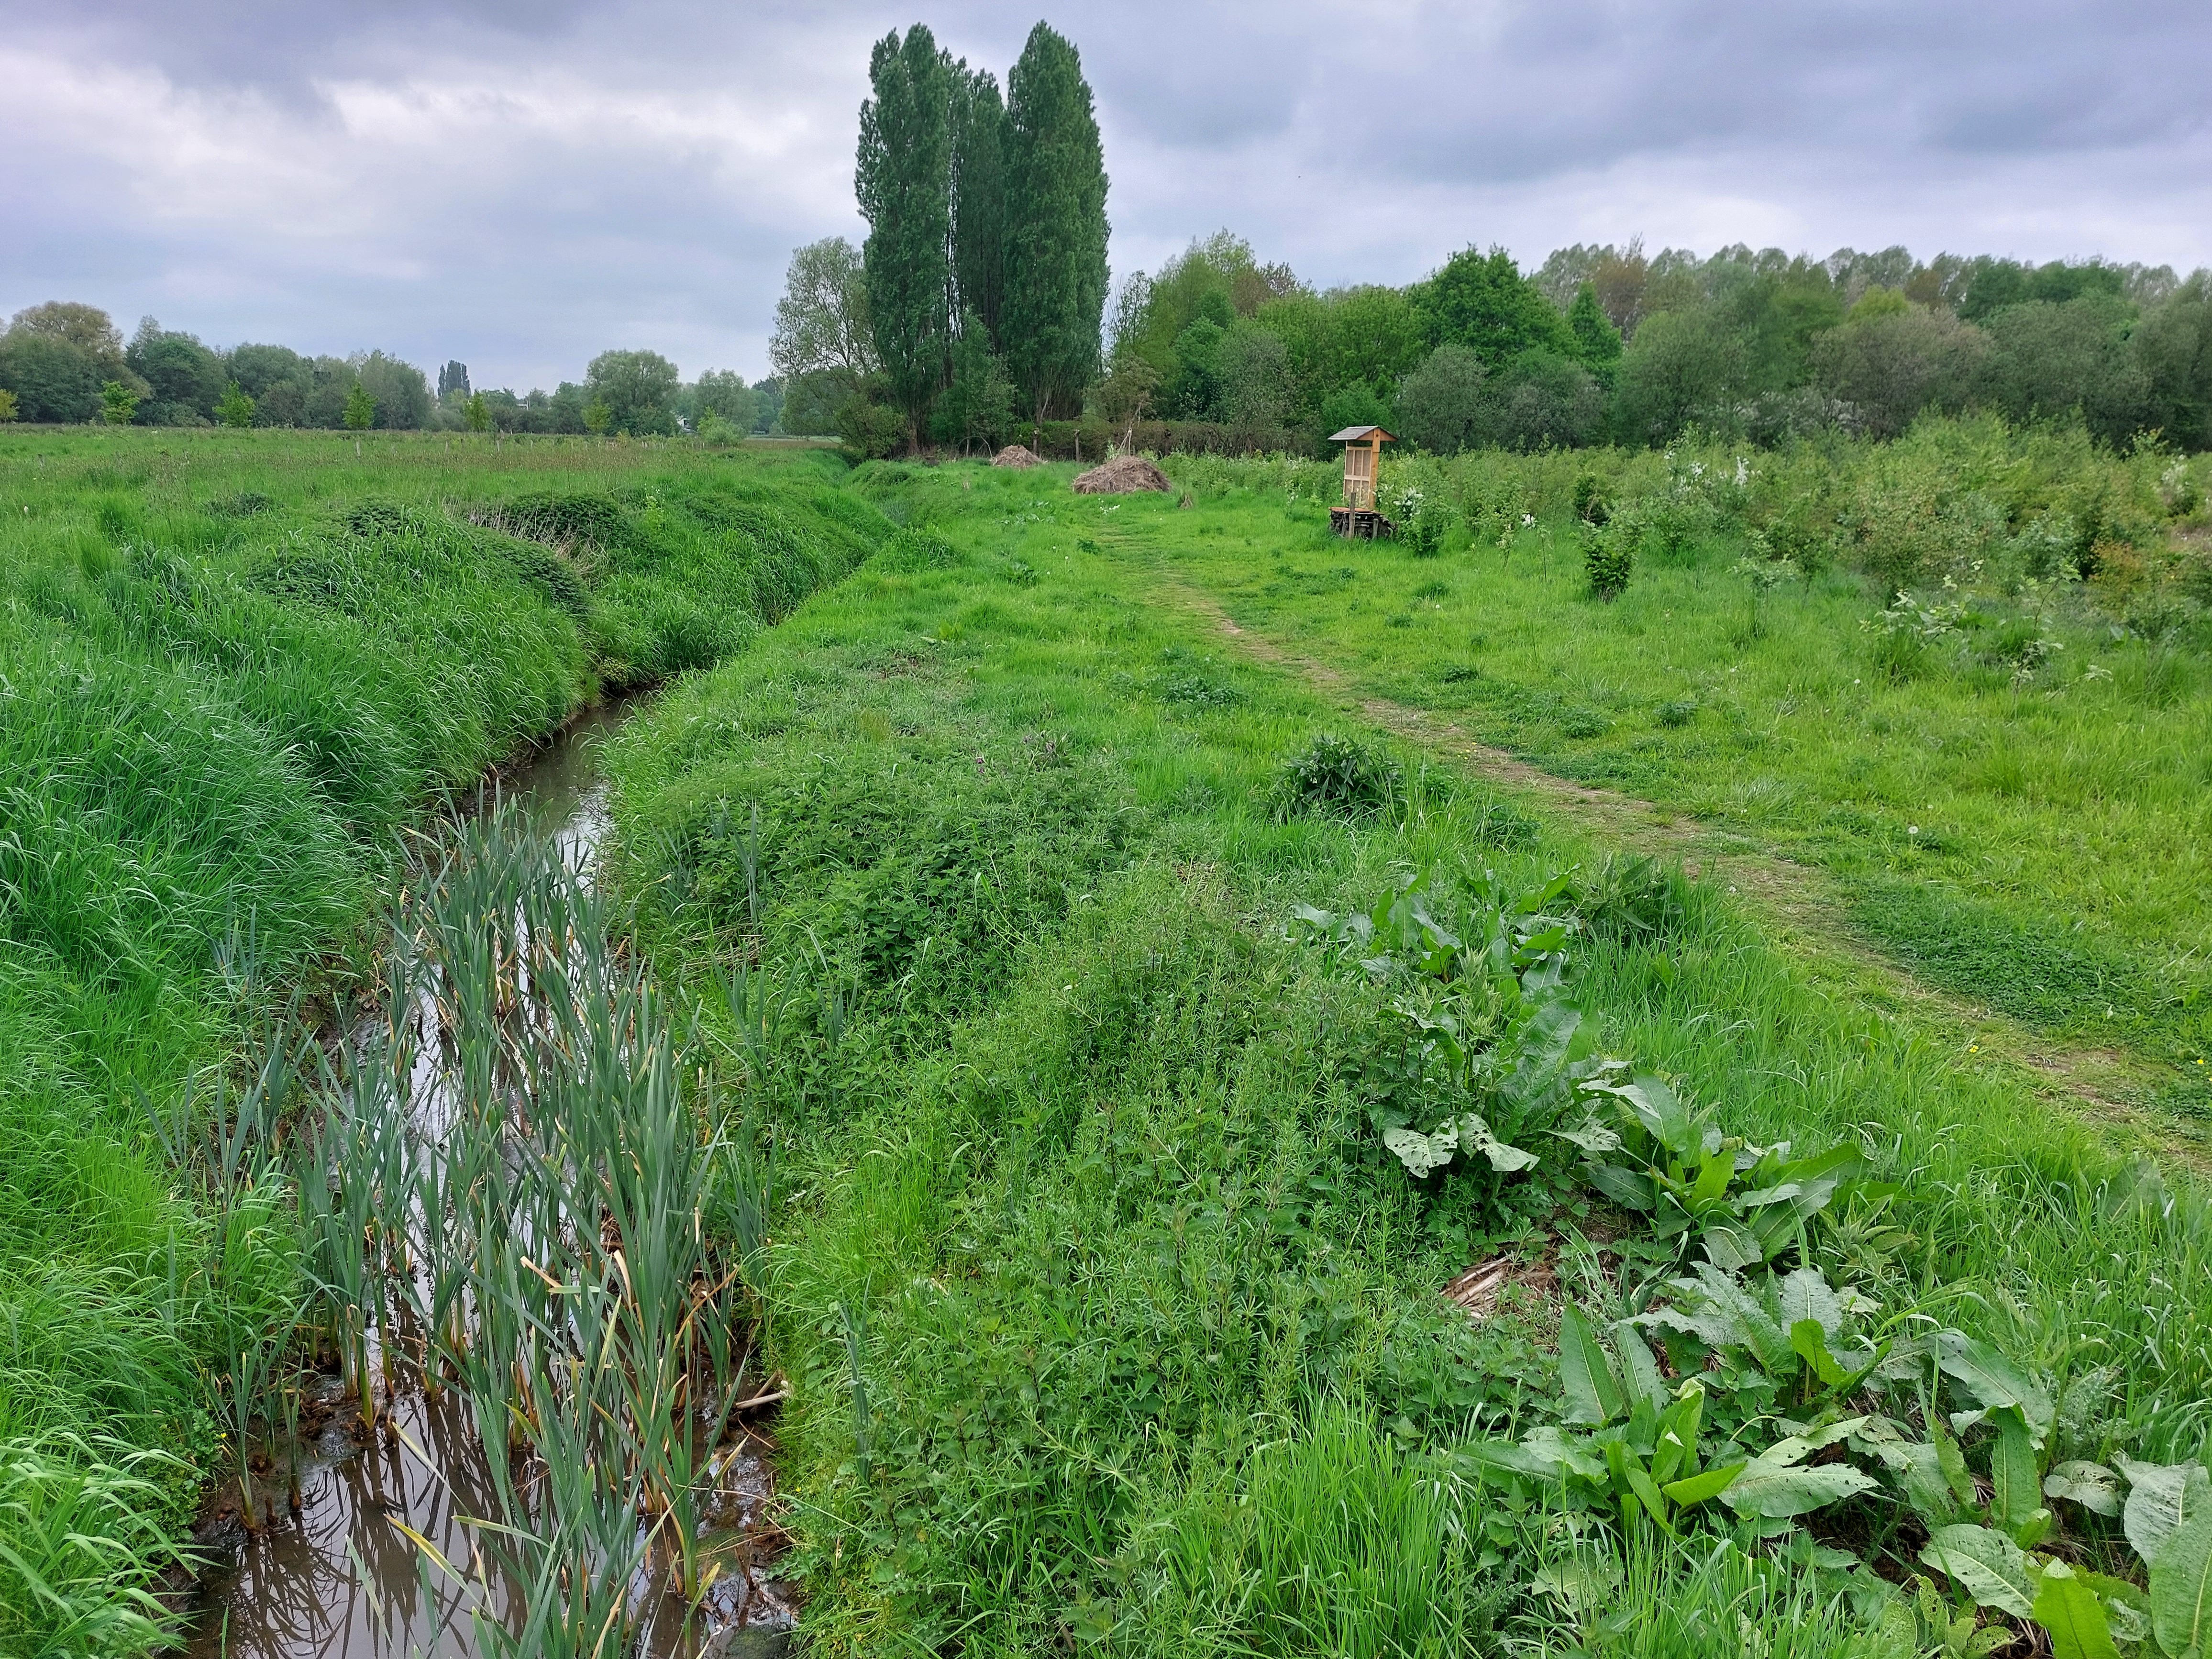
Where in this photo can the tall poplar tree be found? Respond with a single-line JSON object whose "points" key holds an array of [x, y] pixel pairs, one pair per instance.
{"points": [[1055, 269], [979, 197], [903, 178]]}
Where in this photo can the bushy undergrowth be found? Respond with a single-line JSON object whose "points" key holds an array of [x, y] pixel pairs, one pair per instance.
{"points": [[232, 671], [1960, 505]]}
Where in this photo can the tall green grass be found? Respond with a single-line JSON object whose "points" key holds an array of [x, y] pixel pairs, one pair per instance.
{"points": [[233, 672]]}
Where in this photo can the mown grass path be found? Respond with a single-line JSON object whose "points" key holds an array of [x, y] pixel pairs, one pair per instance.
{"points": [[1802, 906]]}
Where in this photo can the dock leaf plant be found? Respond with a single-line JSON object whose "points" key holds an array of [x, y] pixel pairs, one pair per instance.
{"points": [[1737, 1381]]}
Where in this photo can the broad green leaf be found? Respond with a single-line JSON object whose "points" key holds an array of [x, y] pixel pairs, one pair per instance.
{"points": [[2039, 1525], [2069, 1608], [2181, 1588], [1779, 1492], [1630, 1480], [2126, 1605], [1677, 1454], [1986, 1564], [1815, 1180], [1623, 1186], [1895, 1634], [1546, 1455], [1580, 1584], [1765, 1340], [1709, 1324], [1592, 1137], [1588, 1387], [1546, 1038], [1474, 1136], [1795, 1448], [1572, 1453], [1730, 1248], [1759, 1198], [2091, 1486], [2160, 1496], [1806, 1294], [1712, 1182], [1952, 1462], [1695, 1489], [1811, 1343], [2016, 1496], [1640, 1372], [1993, 1380], [1421, 1154], [1919, 1471]]}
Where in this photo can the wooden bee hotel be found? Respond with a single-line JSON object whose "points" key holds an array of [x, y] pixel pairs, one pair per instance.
{"points": [[1363, 458]]}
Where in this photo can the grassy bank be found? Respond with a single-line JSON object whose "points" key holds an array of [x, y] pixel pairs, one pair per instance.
{"points": [[1112, 1315], [233, 668]]}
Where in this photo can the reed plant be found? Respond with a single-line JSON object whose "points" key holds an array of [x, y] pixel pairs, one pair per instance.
{"points": [[523, 1205]]}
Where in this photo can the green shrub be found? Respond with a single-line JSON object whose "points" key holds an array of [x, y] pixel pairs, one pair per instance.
{"points": [[1608, 559], [870, 430], [1590, 502], [1337, 777]]}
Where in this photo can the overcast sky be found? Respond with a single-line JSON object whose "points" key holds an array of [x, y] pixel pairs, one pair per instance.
{"points": [[522, 183]]}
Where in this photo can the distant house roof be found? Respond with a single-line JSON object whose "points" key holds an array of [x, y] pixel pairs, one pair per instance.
{"points": [[1354, 434]]}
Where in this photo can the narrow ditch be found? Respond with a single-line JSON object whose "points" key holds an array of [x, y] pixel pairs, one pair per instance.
{"points": [[330, 1569]]}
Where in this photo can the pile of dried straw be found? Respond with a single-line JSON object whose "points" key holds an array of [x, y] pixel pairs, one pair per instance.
{"points": [[1123, 476]]}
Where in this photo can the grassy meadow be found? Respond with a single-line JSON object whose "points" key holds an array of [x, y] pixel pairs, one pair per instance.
{"points": [[1123, 1029], [2005, 771], [1111, 1318]]}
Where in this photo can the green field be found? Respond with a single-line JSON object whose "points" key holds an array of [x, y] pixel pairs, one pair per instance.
{"points": [[1002, 889]]}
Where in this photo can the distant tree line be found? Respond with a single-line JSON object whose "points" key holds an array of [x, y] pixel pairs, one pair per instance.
{"points": [[980, 287], [1604, 344], [66, 362]]}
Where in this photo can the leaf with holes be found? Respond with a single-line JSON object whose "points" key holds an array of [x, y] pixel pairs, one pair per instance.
{"points": [[2091, 1486]]}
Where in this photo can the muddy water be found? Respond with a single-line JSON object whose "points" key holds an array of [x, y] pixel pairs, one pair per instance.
{"points": [[336, 1578]]}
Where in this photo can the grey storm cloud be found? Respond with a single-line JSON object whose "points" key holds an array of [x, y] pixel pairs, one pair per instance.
{"points": [[520, 185]]}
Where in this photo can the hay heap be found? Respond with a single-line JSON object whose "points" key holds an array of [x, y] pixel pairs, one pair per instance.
{"points": [[1124, 475], [1016, 455]]}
